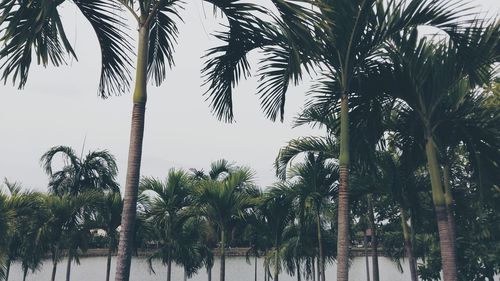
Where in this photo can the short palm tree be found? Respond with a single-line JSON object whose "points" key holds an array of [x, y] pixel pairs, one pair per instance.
{"points": [[224, 201], [18, 208], [64, 226], [276, 207], [165, 206], [108, 217], [315, 185], [97, 170]]}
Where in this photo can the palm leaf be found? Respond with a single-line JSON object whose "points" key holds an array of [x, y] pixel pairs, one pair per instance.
{"points": [[109, 27]]}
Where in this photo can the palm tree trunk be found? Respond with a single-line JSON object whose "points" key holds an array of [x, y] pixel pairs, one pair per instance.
{"points": [[448, 196], [365, 245], [276, 257], [343, 205], [222, 255], [447, 246], [318, 267], [7, 270], [297, 263], [314, 269], [265, 271], [255, 267], [376, 275], [25, 273], [54, 271], [169, 269], [134, 159], [321, 261], [408, 245], [68, 268], [209, 273], [108, 264]]}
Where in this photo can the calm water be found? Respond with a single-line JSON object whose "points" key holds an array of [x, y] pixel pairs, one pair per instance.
{"points": [[237, 269]]}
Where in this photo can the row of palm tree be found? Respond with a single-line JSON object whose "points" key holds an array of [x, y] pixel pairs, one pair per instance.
{"points": [[193, 216], [370, 53]]}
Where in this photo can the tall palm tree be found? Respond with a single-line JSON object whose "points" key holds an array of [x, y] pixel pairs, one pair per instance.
{"points": [[223, 201], [97, 170], [165, 205], [350, 37], [434, 79], [36, 29]]}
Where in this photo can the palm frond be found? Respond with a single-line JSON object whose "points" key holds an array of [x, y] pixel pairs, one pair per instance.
{"points": [[30, 28], [162, 38], [114, 43]]}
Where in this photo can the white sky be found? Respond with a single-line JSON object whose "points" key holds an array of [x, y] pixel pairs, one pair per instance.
{"points": [[60, 106]]}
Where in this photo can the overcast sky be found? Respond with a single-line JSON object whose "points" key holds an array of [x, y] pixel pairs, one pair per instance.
{"points": [[60, 106]]}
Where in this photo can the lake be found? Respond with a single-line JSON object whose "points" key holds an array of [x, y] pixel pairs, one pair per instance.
{"points": [[93, 268]]}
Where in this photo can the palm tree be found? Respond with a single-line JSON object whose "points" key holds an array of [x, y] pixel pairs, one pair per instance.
{"points": [[350, 37], [64, 227], [434, 79], [108, 217], [35, 29], [316, 183], [276, 207], [97, 170], [165, 205], [18, 209], [223, 201]]}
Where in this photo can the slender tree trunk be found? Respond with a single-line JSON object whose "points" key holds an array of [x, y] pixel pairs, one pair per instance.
{"points": [[222, 255], [255, 267], [314, 269], [343, 205], [209, 272], [321, 261], [110, 253], [408, 245], [134, 159], [185, 275], [54, 271], [318, 267], [25, 273], [376, 275], [276, 258], [365, 245], [7, 270], [446, 244], [448, 196], [265, 271], [297, 264], [169, 269], [68, 268]]}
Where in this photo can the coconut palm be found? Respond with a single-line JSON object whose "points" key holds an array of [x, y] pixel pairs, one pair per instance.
{"points": [[224, 201], [433, 80], [97, 170], [165, 205]]}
